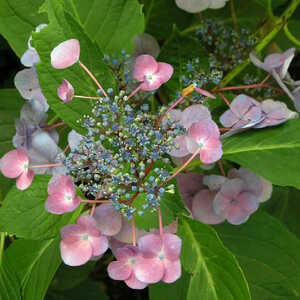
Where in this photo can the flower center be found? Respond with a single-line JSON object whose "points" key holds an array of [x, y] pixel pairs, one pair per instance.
{"points": [[151, 77], [161, 255], [131, 261], [69, 197], [85, 237]]}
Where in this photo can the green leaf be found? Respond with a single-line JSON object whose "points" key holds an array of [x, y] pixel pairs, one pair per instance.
{"points": [[215, 273], [170, 205], [176, 291], [269, 255], [9, 284], [18, 18], [63, 26], [274, 3], [272, 153], [161, 15], [23, 212], [285, 206], [121, 20], [35, 263], [177, 51]]}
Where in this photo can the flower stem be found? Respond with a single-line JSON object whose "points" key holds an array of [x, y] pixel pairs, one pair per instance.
{"points": [[86, 97], [2, 243], [133, 229], [47, 165], [93, 77], [160, 223]]}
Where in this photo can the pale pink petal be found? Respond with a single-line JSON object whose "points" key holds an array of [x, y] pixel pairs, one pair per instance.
{"points": [[189, 184], [172, 270], [58, 203], [194, 113], [248, 202], [14, 163], [75, 254], [119, 271], [164, 72], [134, 283], [108, 219], [182, 151], [65, 91], [205, 93], [25, 180], [203, 130], [151, 84], [236, 215], [203, 209], [192, 145], [61, 183], [150, 245], [267, 189], [99, 244], [149, 270], [144, 65], [65, 54], [115, 244], [221, 205], [171, 246], [89, 224], [211, 151], [124, 253], [72, 233]]}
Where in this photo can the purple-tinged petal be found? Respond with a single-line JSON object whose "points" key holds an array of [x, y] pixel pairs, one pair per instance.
{"points": [[25, 180], [14, 163], [108, 219], [134, 283], [288, 57], [181, 151], [119, 271], [150, 245], [228, 118], [89, 224], [267, 189], [65, 91], [75, 254], [144, 65], [72, 233], [231, 188], [65, 54], [237, 216], [188, 185], [173, 116], [74, 139], [30, 58], [172, 270], [248, 202], [273, 61], [171, 246], [194, 113], [192, 6], [256, 61], [203, 209]]}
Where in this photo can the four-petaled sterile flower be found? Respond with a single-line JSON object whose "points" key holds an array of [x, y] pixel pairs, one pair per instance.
{"points": [[65, 91], [65, 54], [82, 241], [62, 195], [150, 73], [204, 136], [15, 164]]}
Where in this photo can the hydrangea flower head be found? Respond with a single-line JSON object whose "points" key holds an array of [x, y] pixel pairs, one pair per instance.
{"points": [[15, 164], [62, 195], [195, 6], [150, 73], [65, 91], [65, 54], [82, 241]]}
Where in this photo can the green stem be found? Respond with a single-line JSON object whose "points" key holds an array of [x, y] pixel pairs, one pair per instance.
{"points": [[277, 26], [2, 242], [290, 36], [233, 16]]}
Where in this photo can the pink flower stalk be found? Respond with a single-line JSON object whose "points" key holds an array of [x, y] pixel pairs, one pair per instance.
{"points": [[15, 164], [81, 241], [62, 195], [65, 54], [128, 259], [150, 73], [234, 203], [65, 91], [204, 136], [162, 252]]}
